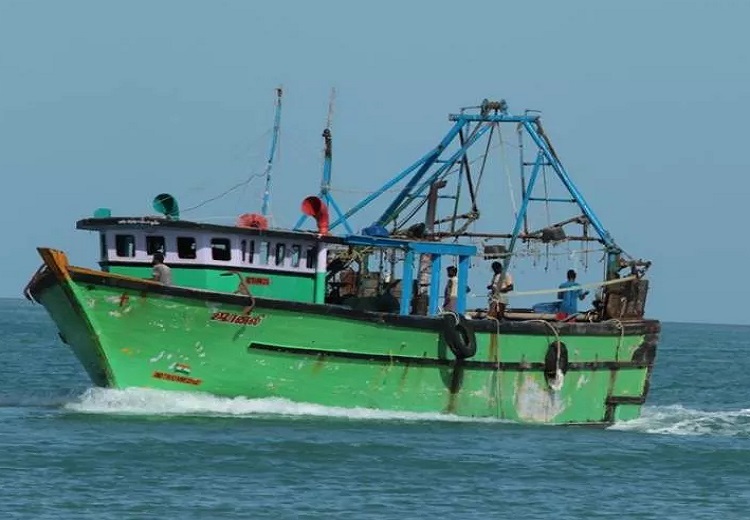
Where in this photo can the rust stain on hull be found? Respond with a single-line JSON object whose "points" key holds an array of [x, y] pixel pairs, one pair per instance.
{"points": [[318, 365], [457, 378]]}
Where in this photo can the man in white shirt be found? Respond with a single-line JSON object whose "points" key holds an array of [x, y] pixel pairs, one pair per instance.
{"points": [[499, 287], [451, 290], [161, 272]]}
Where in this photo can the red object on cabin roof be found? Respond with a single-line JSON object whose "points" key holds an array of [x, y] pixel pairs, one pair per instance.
{"points": [[252, 220], [316, 208]]}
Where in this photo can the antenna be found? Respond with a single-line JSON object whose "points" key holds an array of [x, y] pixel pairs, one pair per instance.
{"points": [[272, 153], [331, 101], [325, 181]]}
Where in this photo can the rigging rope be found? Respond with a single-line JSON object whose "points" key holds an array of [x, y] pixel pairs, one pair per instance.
{"points": [[565, 289], [504, 161], [549, 218], [227, 192], [620, 326]]}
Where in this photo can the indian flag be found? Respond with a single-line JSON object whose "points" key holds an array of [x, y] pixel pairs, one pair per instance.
{"points": [[181, 368]]}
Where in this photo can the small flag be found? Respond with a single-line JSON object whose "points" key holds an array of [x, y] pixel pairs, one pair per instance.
{"points": [[181, 368]]}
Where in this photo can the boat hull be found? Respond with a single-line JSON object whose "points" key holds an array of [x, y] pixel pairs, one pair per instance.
{"points": [[128, 332]]}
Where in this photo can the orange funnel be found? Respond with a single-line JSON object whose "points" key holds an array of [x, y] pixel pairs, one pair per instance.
{"points": [[317, 209]]}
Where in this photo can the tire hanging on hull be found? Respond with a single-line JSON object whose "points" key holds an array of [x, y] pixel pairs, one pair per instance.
{"points": [[556, 364], [459, 336]]}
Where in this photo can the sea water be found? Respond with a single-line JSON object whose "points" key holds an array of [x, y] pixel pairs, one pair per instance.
{"points": [[71, 451]]}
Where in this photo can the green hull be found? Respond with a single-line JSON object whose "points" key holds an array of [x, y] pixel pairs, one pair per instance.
{"points": [[129, 333]]}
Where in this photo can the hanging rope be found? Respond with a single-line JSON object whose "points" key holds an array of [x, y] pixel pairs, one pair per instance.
{"points": [[484, 159], [504, 161], [497, 367], [621, 327], [549, 218]]}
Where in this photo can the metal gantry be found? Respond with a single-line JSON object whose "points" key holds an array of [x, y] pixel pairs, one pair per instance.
{"points": [[450, 156]]}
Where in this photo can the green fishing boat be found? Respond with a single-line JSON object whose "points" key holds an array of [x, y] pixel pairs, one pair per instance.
{"points": [[362, 319]]}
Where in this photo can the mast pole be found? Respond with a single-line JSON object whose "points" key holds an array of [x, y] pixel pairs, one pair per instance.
{"points": [[272, 153], [325, 181]]}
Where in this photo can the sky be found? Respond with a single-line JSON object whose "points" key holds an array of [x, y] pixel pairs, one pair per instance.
{"points": [[106, 104]]}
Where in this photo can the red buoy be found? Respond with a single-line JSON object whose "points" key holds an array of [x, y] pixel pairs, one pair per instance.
{"points": [[252, 220]]}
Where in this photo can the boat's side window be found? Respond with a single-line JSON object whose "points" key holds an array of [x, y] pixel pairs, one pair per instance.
{"points": [[296, 254], [186, 247], [312, 252], [220, 249], [265, 252], [155, 243], [125, 245], [243, 250], [103, 245], [251, 252], [280, 253]]}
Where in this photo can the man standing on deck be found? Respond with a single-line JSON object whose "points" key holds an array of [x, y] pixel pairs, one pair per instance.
{"points": [[451, 290], [161, 272], [499, 287], [569, 304]]}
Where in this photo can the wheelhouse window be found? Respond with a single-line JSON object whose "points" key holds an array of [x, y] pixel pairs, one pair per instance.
{"points": [[186, 247], [221, 249], [265, 252], [103, 246], [296, 255], [125, 245], [312, 252], [155, 244], [280, 253]]}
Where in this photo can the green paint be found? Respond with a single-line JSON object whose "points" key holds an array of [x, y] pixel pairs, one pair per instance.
{"points": [[320, 287], [627, 412], [626, 382], [281, 286], [144, 335], [74, 331]]}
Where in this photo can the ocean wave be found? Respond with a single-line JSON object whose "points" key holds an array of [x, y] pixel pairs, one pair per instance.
{"points": [[31, 399], [679, 420], [141, 401]]}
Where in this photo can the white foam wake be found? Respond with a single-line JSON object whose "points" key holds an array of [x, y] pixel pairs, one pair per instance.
{"points": [[678, 420], [665, 420], [138, 401]]}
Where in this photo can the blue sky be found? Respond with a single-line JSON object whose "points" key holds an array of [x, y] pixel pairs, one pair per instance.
{"points": [[109, 103]]}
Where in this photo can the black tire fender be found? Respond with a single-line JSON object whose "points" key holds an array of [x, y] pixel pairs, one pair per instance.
{"points": [[459, 336], [551, 361]]}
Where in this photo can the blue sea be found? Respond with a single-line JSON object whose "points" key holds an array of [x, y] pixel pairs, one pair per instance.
{"points": [[71, 451]]}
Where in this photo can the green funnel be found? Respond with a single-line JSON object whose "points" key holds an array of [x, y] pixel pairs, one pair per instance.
{"points": [[167, 205]]}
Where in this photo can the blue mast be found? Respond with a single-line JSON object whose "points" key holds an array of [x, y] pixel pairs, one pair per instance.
{"points": [[325, 182], [274, 140]]}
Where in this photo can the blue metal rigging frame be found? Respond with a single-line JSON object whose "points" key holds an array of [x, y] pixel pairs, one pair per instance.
{"points": [[436, 251], [436, 165], [438, 162]]}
